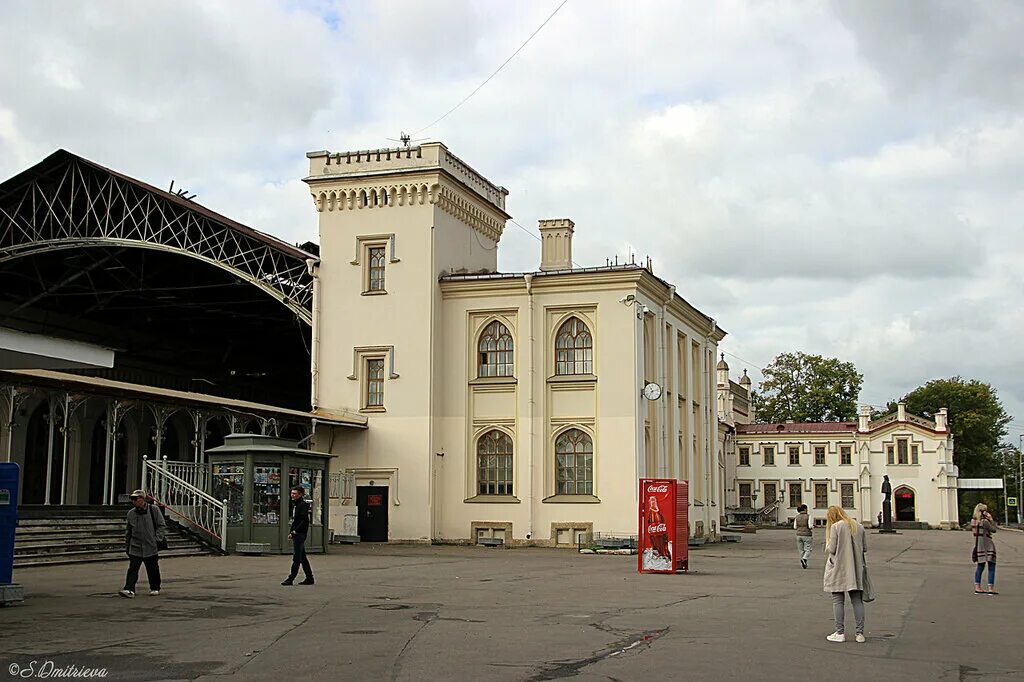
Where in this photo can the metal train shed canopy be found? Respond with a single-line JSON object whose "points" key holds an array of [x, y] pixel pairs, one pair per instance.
{"points": [[188, 299]]}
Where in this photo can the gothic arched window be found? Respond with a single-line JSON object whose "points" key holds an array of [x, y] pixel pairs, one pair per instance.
{"points": [[574, 348], [494, 464], [574, 463], [495, 351]]}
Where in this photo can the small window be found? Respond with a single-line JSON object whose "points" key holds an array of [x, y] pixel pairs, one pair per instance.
{"points": [[375, 382], [574, 348], [375, 257], [846, 495], [794, 455], [890, 454], [819, 455], [574, 463], [494, 464], [901, 451], [495, 349], [745, 496], [821, 495], [744, 457], [914, 454], [845, 454], [769, 455], [796, 495]]}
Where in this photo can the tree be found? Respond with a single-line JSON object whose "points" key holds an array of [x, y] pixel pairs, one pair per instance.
{"points": [[808, 388], [977, 421]]}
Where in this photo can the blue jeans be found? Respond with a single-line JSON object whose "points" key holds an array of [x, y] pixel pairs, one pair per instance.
{"points": [[804, 545], [299, 558], [991, 573]]}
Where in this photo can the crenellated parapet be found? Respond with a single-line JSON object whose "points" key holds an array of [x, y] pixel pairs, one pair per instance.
{"points": [[407, 176]]}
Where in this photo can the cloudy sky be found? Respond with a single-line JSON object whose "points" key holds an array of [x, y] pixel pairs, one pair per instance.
{"points": [[836, 178]]}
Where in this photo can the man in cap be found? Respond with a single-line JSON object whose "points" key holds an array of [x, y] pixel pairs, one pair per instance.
{"points": [[144, 536]]}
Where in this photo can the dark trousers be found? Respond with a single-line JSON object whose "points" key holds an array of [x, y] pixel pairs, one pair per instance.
{"points": [[152, 571], [299, 558]]}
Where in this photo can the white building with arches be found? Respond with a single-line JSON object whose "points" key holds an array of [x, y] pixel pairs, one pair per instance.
{"points": [[506, 405], [772, 468]]}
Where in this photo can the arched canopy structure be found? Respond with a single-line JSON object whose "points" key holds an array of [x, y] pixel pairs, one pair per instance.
{"points": [[67, 202], [188, 299]]}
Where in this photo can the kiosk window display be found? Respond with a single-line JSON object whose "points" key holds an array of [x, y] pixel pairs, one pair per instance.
{"points": [[255, 474]]}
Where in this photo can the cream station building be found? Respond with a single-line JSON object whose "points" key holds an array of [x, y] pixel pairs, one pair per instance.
{"points": [[773, 468], [521, 406]]}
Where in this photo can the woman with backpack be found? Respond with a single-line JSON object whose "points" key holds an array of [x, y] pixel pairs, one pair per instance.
{"points": [[982, 526], [844, 570]]}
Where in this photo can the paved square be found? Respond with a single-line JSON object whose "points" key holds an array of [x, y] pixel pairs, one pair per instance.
{"points": [[413, 613]]}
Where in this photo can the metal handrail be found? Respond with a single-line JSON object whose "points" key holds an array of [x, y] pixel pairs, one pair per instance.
{"points": [[196, 475], [197, 509]]}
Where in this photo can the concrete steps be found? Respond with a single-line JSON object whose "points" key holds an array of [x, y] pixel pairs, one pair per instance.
{"points": [[55, 535]]}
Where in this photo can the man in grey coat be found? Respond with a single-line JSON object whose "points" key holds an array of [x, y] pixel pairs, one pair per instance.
{"points": [[144, 534]]}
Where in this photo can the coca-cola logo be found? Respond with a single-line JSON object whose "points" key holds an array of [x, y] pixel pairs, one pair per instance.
{"points": [[663, 488], [657, 528]]}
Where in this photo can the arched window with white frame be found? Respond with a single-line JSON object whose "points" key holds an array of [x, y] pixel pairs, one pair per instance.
{"points": [[574, 348], [494, 463], [495, 351], [574, 463]]}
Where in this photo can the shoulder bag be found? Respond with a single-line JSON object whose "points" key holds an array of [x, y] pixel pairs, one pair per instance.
{"points": [[868, 593]]}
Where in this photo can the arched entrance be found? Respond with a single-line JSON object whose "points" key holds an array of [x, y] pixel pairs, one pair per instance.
{"points": [[905, 507], [37, 442]]}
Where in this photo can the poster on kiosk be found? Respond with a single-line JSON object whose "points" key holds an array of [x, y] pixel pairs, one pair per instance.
{"points": [[664, 526]]}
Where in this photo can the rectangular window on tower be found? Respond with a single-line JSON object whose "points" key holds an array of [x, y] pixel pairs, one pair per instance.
{"points": [[819, 455], [769, 455], [845, 454], [375, 268], [374, 383], [794, 455], [744, 456]]}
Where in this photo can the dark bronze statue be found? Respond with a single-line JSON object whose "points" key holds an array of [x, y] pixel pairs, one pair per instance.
{"points": [[886, 506]]}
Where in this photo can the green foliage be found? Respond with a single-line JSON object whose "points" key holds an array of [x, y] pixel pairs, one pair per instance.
{"points": [[977, 421], [808, 388]]}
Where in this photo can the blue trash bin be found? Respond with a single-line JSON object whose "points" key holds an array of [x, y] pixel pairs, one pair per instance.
{"points": [[9, 475]]}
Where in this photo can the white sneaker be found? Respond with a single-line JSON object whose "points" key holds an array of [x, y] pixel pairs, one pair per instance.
{"points": [[836, 637], [154, 593], [127, 594]]}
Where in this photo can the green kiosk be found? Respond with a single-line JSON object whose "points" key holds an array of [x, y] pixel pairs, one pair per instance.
{"points": [[255, 474]]}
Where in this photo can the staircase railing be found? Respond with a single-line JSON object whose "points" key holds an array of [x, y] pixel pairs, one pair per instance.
{"points": [[768, 509], [196, 475], [193, 508]]}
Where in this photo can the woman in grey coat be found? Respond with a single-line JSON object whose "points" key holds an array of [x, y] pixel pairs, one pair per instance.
{"points": [[844, 570], [982, 527]]}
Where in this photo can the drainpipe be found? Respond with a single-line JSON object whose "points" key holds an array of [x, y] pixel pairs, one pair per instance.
{"points": [[663, 380], [313, 267], [530, 405]]}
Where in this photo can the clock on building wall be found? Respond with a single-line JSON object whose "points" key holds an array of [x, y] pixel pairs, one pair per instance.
{"points": [[652, 391]]}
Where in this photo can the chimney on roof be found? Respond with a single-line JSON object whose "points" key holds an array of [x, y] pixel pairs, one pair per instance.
{"points": [[864, 418], [941, 419], [556, 244]]}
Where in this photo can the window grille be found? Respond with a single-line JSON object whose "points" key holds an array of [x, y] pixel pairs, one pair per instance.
{"points": [[495, 350], [574, 463], [375, 382], [376, 268], [574, 348]]}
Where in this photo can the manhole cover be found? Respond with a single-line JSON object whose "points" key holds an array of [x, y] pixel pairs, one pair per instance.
{"points": [[390, 607]]}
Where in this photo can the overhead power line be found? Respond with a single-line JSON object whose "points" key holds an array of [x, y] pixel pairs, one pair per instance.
{"points": [[488, 79]]}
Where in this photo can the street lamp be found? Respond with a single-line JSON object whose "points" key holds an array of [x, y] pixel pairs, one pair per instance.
{"points": [[1020, 470]]}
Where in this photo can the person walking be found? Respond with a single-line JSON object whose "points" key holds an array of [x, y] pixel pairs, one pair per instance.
{"points": [[844, 570], [299, 530], [803, 525], [982, 526], [145, 535]]}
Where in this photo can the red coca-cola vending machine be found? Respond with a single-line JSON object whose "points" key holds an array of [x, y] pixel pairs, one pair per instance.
{"points": [[664, 526]]}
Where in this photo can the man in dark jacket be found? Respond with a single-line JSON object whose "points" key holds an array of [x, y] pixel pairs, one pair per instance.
{"points": [[299, 530], [145, 532]]}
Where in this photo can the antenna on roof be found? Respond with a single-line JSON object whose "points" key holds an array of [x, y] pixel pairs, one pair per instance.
{"points": [[405, 138], [183, 193]]}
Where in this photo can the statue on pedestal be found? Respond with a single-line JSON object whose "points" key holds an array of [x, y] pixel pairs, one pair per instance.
{"points": [[886, 505]]}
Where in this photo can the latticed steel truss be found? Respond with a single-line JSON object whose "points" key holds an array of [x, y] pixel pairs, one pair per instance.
{"points": [[67, 202]]}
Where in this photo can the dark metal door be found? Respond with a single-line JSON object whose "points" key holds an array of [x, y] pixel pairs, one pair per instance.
{"points": [[372, 502]]}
